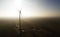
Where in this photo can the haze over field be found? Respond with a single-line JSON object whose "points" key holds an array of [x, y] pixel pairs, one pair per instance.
{"points": [[8, 27], [38, 18]]}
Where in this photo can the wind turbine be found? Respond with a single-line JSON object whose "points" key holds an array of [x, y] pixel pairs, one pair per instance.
{"points": [[20, 23], [18, 26], [20, 30]]}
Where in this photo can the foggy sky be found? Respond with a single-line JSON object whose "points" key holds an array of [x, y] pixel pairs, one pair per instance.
{"points": [[36, 7], [9, 8], [42, 7]]}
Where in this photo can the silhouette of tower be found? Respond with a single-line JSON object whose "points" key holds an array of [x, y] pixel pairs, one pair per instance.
{"points": [[20, 30]]}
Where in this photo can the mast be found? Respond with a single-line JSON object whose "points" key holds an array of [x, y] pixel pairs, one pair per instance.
{"points": [[20, 30], [20, 19]]}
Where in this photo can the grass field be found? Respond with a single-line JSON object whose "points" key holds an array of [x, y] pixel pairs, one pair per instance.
{"points": [[33, 27]]}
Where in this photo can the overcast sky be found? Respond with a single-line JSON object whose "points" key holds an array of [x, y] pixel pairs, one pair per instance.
{"points": [[41, 7], [43, 4], [10, 7]]}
